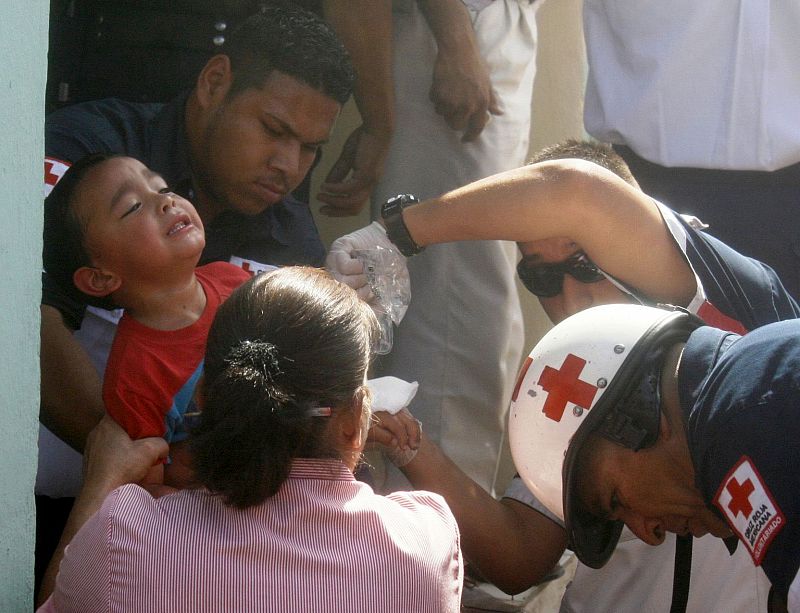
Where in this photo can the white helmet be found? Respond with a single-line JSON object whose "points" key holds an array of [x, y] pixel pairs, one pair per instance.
{"points": [[598, 370]]}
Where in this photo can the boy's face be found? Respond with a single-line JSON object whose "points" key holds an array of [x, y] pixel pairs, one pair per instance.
{"points": [[134, 225]]}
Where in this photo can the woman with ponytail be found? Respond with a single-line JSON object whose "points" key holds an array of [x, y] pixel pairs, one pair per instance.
{"points": [[278, 523]]}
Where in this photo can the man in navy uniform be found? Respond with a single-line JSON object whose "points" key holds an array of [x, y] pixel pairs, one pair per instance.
{"points": [[587, 238], [643, 416]]}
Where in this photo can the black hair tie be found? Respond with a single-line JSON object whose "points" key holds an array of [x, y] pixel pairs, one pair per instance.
{"points": [[255, 360]]}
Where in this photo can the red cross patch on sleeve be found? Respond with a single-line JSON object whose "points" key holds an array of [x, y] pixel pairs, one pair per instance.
{"points": [[251, 266], [53, 171], [749, 508]]}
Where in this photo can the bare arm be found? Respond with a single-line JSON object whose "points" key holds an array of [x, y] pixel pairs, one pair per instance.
{"points": [[462, 90], [365, 28], [618, 226], [512, 545], [111, 459], [71, 393]]}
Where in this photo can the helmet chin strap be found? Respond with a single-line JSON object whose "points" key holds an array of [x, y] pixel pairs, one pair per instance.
{"points": [[635, 421], [683, 573], [635, 424]]}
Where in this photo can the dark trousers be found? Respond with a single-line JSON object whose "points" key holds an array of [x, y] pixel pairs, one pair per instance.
{"points": [[51, 516], [756, 213]]}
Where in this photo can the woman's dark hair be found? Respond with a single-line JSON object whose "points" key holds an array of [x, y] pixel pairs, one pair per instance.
{"points": [[282, 345], [295, 42], [64, 242]]}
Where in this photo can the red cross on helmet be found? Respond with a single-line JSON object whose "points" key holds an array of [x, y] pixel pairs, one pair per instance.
{"points": [[597, 371]]}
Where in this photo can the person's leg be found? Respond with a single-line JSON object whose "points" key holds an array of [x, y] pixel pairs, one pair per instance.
{"points": [[462, 335], [51, 516]]}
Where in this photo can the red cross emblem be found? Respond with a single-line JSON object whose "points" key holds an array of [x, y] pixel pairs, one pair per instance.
{"points": [[50, 177], [53, 170], [563, 386], [740, 497]]}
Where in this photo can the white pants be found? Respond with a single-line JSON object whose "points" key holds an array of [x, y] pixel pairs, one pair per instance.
{"points": [[638, 578], [462, 336]]}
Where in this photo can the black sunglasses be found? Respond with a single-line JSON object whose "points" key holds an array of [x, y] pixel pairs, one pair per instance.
{"points": [[547, 280]]}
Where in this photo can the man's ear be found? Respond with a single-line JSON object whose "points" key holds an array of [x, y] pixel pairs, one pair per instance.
{"points": [[214, 81], [95, 282]]}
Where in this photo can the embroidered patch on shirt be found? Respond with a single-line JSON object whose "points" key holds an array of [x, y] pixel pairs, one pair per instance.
{"points": [[749, 508], [251, 266], [53, 171]]}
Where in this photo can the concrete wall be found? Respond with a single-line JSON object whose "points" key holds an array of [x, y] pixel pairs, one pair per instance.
{"points": [[23, 47]]}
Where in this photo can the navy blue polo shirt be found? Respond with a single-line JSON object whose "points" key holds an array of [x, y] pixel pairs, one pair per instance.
{"points": [[740, 287], [745, 291], [740, 397], [282, 235]]}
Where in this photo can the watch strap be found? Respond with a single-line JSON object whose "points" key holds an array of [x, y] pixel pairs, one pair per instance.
{"points": [[396, 229]]}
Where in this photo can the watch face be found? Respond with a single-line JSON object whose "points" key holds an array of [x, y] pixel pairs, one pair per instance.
{"points": [[395, 204]]}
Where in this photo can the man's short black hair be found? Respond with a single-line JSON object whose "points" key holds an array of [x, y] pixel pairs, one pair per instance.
{"points": [[295, 42], [590, 150], [64, 248]]}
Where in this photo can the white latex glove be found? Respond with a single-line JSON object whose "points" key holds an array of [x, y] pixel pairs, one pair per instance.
{"points": [[350, 271]]}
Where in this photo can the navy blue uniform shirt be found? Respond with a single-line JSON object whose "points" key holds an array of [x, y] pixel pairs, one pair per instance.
{"points": [[740, 396], [740, 287]]}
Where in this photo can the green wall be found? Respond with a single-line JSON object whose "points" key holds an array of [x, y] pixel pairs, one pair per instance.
{"points": [[23, 47]]}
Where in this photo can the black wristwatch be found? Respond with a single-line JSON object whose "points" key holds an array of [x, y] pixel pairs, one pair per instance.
{"points": [[396, 230]]}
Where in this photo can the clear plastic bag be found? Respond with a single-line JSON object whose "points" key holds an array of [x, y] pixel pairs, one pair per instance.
{"points": [[387, 276]]}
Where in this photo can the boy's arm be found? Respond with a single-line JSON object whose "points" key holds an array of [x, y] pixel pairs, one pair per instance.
{"points": [[512, 545], [617, 225], [71, 398], [139, 416]]}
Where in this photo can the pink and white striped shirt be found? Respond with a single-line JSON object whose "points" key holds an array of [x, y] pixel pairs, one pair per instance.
{"points": [[324, 542]]}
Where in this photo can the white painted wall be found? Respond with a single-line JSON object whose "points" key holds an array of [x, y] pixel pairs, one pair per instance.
{"points": [[23, 47]]}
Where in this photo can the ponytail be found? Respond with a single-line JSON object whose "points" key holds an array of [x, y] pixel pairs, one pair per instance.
{"points": [[251, 429]]}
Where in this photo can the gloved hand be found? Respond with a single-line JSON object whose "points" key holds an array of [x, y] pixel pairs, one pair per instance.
{"points": [[391, 270], [350, 271]]}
